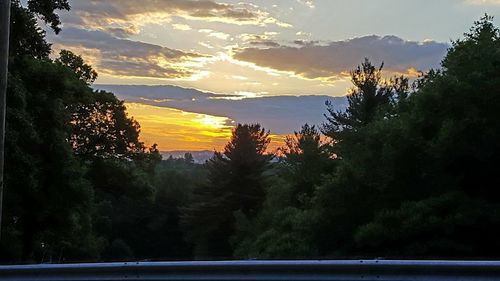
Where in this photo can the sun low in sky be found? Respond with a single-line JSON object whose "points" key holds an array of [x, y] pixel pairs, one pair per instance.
{"points": [[173, 129], [252, 50]]}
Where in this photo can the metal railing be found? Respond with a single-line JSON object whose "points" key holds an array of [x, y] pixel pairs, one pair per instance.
{"points": [[344, 270]]}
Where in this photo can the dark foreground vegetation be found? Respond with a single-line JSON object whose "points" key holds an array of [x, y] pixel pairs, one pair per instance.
{"points": [[408, 170]]}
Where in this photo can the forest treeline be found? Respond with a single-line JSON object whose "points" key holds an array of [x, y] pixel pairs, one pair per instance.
{"points": [[409, 169]]}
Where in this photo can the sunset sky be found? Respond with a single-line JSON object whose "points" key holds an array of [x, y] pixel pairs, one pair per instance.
{"points": [[236, 51]]}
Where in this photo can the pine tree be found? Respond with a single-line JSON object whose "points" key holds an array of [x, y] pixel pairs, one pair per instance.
{"points": [[235, 183], [305, 158], [369, 94]]}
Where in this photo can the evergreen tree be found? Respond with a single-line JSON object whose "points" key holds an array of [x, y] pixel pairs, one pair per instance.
{"points": [[366, 99], [436, 151], [284, 227], [236, 182], [306, 159]]}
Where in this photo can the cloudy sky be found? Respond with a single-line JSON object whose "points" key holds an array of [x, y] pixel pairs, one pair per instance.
{"points": [[252, 50]]}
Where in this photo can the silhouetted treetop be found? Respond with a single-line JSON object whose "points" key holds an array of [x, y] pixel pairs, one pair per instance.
{"points": [[369, 95], [247, 142], [46, 10], [77, 65]]}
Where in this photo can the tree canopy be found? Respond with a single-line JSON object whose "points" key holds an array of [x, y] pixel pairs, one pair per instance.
{"points": [[57, 127], [235, 183], [407, 170]]}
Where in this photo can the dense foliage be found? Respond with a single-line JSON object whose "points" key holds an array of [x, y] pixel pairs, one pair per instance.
{"points": [[410, 172], [77, 177], [235, 183], [405, 171]]}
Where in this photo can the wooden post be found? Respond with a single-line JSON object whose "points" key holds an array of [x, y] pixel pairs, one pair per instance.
{"points": [[4, 59]]}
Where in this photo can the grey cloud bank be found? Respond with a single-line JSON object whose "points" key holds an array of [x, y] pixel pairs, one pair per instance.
{"points": [[121, 15], [331, 60], [126, 57], [280, 114]]}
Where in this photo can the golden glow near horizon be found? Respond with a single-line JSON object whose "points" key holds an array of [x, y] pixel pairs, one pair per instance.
{"points": [[174, 129], [251, 50]]}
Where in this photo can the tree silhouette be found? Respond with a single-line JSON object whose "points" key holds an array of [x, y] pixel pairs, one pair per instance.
{"points": [[235, 183], [101, 128], [306, 159], [78, 66], [48, 204], [45, 9], [53, 116]]}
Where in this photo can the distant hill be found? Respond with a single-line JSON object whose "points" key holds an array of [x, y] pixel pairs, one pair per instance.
{"points": [[199, 156]]}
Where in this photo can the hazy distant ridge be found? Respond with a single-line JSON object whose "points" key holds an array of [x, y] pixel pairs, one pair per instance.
{"points": [[199, 156]]}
